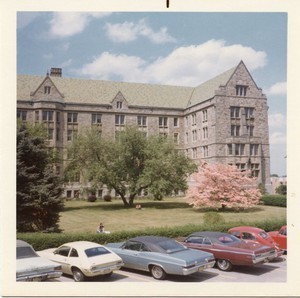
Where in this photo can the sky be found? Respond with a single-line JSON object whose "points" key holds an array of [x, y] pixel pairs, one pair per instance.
{"points": [[174, 48]]}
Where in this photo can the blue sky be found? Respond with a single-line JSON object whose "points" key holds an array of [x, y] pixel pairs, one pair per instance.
{"points": [[176, 48]]}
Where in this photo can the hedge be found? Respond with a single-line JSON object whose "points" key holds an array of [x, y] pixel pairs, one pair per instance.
{"points": [[42, 241], [274, 200]]}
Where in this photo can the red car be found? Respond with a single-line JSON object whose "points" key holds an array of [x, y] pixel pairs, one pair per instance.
{"points": [[229, 250], [280, 237], [255, 234]]}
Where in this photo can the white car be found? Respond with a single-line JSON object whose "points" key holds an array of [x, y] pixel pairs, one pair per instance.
{"points": [[32, 267], [84, 259]]}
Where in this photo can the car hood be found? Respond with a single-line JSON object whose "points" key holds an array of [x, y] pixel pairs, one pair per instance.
{"points": [[114, 245], [34, 264]]}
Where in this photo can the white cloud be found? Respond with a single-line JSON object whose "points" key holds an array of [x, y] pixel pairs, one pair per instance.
{"points": [[129, 31], [277, 89], [187, 66], [277, 120], [277, 138], [65, 24]]}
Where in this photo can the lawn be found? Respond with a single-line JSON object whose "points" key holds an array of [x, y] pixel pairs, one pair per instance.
{"points": [[83, 216]]}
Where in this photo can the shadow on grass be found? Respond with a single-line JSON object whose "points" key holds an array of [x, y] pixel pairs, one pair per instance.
{"points": [[120, 206], [229, 210]]}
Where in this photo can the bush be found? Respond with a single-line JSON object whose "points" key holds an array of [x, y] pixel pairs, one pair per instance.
{"points": [[42, 241], [213, 218], [107, 198], [274, 200], [92, 198]]}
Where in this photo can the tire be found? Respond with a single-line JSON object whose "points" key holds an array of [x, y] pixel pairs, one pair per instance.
{"points": [[157, 272], [78, 275], [224, 265]]}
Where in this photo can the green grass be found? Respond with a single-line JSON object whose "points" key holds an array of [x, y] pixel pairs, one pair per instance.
{"points": [[83, 216]]}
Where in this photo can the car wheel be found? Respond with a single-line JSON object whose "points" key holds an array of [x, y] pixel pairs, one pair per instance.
{"points": [[78, 275], [224, 265], [157, 272]]}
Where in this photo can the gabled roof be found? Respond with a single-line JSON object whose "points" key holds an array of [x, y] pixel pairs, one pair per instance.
{"points": [[85, 91]]}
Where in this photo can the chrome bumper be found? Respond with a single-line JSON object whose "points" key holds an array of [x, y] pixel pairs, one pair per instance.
{"points": [[201, 267], [40, 277]]}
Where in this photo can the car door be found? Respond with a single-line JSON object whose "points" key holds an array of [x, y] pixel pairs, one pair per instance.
{"points": [[61, 256], [281, 238], [130, 254]]}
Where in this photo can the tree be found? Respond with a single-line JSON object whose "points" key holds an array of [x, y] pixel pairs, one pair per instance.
{"points": [[220, 185], [281, 189], [38, 187], [130, 164]]}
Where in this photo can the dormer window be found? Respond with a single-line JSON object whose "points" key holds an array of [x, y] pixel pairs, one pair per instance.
{"points": [[119, 104], [47, 89], [241, 90]]}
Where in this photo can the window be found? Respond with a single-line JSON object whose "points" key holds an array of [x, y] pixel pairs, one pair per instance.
{"points": [[194, 153], [186, 137], [119, 119], [71, 134], [58, 117], [239, 149], [234, 112], [47, 89], [194, 119], [37, 116], [255, 169], [176, 138], [62, 251], [186, 121], [47, 116], [235, 130], [241, 90], [96, 118], [194, 135], [205, 151], [50, 133], [142, 121], [175, 122], [72, 117], [73, 253], [250, 130], [163, 122], [119, 104], [229, 149], [205, 133], [254, 149], [22, 115], [249, 113], [204, 116], [241, 166]]}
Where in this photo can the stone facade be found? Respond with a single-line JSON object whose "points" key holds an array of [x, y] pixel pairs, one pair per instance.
{"points": [[222, 120]]}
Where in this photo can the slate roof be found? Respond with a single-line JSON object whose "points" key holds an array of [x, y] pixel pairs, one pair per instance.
{"points": [[85, 91]]}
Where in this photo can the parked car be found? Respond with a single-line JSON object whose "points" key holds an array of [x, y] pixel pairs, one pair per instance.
{"points": [[229, 250], [255, 234], [32, 267], [280, 237], [83, 259], [161, 256]]}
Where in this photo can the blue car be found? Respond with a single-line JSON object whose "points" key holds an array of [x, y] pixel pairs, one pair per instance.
{"points": [[161, 256]]}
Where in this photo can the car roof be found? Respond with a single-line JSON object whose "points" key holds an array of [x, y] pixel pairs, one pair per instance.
{"points": [[81, 244], [21, 243], [211, 235], [152, 242], [247, 228]]}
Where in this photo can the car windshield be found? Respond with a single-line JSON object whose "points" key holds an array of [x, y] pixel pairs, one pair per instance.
{"points": [[170, 246], [26, 252], [228, 239], [96, 251]]}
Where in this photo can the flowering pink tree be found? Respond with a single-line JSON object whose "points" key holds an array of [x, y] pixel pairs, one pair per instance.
{"points": [[219, 185]]}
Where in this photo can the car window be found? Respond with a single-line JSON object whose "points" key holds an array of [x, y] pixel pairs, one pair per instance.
{"points": [[228, 239], [96, 251], [73, 253], [264, 235], [283, 232], [26, 252], [207, 241], [247, 236], [193, 239], [236, 234], [144, 248], [132, 245], [62, 251], [170, 246]]}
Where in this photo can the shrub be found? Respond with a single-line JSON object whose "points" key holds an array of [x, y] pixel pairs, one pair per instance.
{"points": [[107, 198], [92, 198], [213, 218], [42, 241], [274, 200]]}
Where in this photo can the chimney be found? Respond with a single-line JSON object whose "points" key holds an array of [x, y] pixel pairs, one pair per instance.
{"points": [[55, 72]]}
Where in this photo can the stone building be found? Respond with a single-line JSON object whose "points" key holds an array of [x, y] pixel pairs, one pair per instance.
{"points": [[222, 120]]}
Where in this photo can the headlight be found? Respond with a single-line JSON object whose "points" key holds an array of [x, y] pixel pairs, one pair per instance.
{"points": [[57, 268]]}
